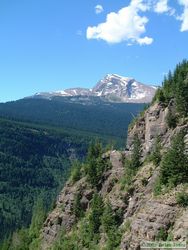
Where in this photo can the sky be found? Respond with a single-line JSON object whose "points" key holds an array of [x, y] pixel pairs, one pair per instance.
{"points": [[51, 45]]}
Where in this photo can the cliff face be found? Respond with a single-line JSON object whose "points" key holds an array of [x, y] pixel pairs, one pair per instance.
{"points": [[144, 216], [153, 123]]}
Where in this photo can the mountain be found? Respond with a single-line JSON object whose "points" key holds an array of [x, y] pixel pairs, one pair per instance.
{"points": [[126, 199], [131, 197], [113, 87], [124, 89]]}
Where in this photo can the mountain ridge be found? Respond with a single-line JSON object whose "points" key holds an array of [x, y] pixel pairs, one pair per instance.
{"points": [[112, 87]]}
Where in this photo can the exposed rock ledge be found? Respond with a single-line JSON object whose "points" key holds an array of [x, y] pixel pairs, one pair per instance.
{"points": [[146, 214]]}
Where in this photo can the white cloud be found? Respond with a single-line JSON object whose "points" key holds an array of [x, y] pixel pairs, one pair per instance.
{"points": [[145, 41], [125, 25], [161, 6], [183, 2], [184, 16], [98, 9]]}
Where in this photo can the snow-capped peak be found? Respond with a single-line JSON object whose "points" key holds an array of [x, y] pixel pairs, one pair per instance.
{"points": [[113, 87]]}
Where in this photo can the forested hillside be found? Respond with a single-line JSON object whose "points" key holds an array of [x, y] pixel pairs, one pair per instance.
{"points": [[123, 199], [109, 120], [39, 140], [113, 199], [34, 161]]}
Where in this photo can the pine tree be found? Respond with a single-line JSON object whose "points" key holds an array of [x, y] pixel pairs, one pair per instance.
{"points": [[37, 218], [94, 151], [174, 166], [168, 87], [76, 172], [96, 213], [182, 97], [171, 119], [175, 86], [77, 209], [110, 227], [95, 164], [108, 218]]}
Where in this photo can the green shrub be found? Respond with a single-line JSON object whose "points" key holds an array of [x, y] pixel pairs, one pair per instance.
{"points": [[170, 236], [127, 226], [157, 187], [144, 181], [162, 235], [182, 199], [76, 172]]}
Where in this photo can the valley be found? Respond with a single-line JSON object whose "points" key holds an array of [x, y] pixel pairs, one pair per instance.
{"points": [[93, 125], [40, 140], [102, 118], [119, 199]]}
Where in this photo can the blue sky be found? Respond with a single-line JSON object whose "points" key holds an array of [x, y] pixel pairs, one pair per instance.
{"points": [[50, 45]]}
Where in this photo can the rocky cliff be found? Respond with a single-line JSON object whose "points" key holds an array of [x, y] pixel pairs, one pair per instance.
{"points": [[153, 123], [143, 216]]}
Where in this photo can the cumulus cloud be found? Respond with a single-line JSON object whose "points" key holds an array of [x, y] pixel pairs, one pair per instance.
{"points": [[162, 6], [125, 25], [129, 23], [98, 9], [184, 16], [145, 41]]}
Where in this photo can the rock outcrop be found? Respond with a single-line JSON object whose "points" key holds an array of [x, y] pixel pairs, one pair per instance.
{"points": [[144, 216], [151, 124], [62, 216]]}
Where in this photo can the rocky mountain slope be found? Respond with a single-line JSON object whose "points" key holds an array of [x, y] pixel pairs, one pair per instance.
{"points": [[113, 88], [125, 199], [144, 216]]}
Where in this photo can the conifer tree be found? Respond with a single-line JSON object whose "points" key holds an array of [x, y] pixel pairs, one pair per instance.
{"points": [[37, 218], [77, 209], [136, 155], [108, 219], [96, 213], [95, 164], [182, 97], [174, 166]]}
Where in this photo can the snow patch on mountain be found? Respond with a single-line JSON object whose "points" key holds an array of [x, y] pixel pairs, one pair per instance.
{"points": [[112, 87]]}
